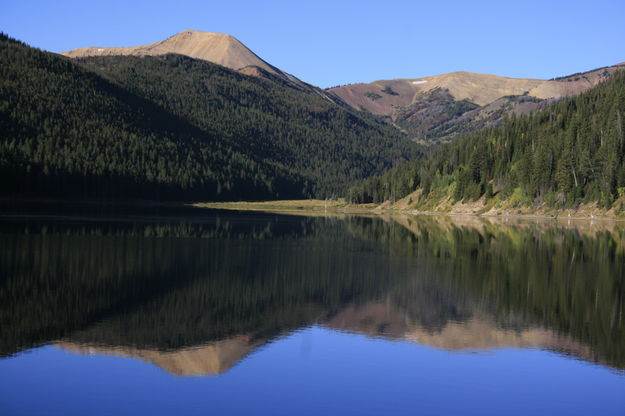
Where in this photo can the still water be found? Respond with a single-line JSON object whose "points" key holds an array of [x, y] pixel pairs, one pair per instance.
{"points": [[240, 314]]}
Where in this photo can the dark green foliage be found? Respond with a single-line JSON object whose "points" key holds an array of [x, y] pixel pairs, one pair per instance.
{"points": [[570, 282], [391, 186], [67, 132], [373, 96], [569, 153], [327, 144], [388, 90], [175, 128]]}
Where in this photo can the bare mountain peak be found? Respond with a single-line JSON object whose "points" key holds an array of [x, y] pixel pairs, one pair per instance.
{"points": [[199, 34], [386, 96], [219, 48]]}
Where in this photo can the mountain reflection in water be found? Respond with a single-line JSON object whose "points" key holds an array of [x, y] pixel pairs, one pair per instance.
{"points": [[196, 296]]}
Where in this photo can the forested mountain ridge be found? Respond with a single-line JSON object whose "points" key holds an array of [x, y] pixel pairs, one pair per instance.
{"points": [[195, 131], [330, 145], [431, 110], [67, 132], [570, 153]]}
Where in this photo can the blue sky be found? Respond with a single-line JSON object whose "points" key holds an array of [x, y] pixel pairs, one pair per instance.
{"points": [[337, 42]]}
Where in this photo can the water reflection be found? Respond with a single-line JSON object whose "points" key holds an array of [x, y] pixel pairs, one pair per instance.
{"points": [[195, 297], [211, 358]]}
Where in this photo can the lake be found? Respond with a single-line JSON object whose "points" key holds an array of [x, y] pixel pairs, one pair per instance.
{"points": [[237, 313]]}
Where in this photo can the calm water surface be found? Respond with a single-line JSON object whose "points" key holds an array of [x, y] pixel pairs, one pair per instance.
{"points": [[239, 314]]}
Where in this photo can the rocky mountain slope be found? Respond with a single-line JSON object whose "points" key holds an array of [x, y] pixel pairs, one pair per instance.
{"points": [[441, 106], [218, 48]]}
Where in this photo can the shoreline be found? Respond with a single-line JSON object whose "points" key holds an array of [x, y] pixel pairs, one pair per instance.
{"points": [[302, 207], [305, 207]]}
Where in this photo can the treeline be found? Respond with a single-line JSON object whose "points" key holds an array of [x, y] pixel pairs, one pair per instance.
{"points": [[567, 154], [174, 128]]}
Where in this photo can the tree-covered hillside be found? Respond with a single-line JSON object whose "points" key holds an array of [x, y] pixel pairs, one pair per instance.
{"points": [[437, 118], [174, 128], [67, 132], [327, 144], [567, 154]]}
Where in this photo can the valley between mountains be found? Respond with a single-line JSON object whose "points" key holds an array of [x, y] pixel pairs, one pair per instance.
{"points": [[200, 117]]}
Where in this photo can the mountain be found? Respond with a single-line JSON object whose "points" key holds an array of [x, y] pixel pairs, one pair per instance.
{"points": [[199, 116], [170, 127], [68, 132], [329, 146], [439, 107], [218, 48], [568, 154]]}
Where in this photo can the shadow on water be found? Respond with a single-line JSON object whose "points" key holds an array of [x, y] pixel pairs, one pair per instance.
{"points": [[195, 294]]}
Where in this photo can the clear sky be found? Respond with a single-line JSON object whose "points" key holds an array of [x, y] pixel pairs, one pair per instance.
{"points": [[337, 42]]}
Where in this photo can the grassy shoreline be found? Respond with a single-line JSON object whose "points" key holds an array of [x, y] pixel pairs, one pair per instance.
{"points": [[319, 207], [340, 206]]}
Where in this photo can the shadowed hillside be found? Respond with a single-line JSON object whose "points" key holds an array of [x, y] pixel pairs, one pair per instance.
{"points": [[175, 128]]}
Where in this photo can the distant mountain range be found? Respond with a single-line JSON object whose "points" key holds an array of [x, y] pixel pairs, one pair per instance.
{"points": [[441, 106], [428, 109], [223, 123]]}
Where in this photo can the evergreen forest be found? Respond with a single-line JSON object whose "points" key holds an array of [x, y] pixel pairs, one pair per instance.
{"points": [[175, 128], [567, 154]]}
